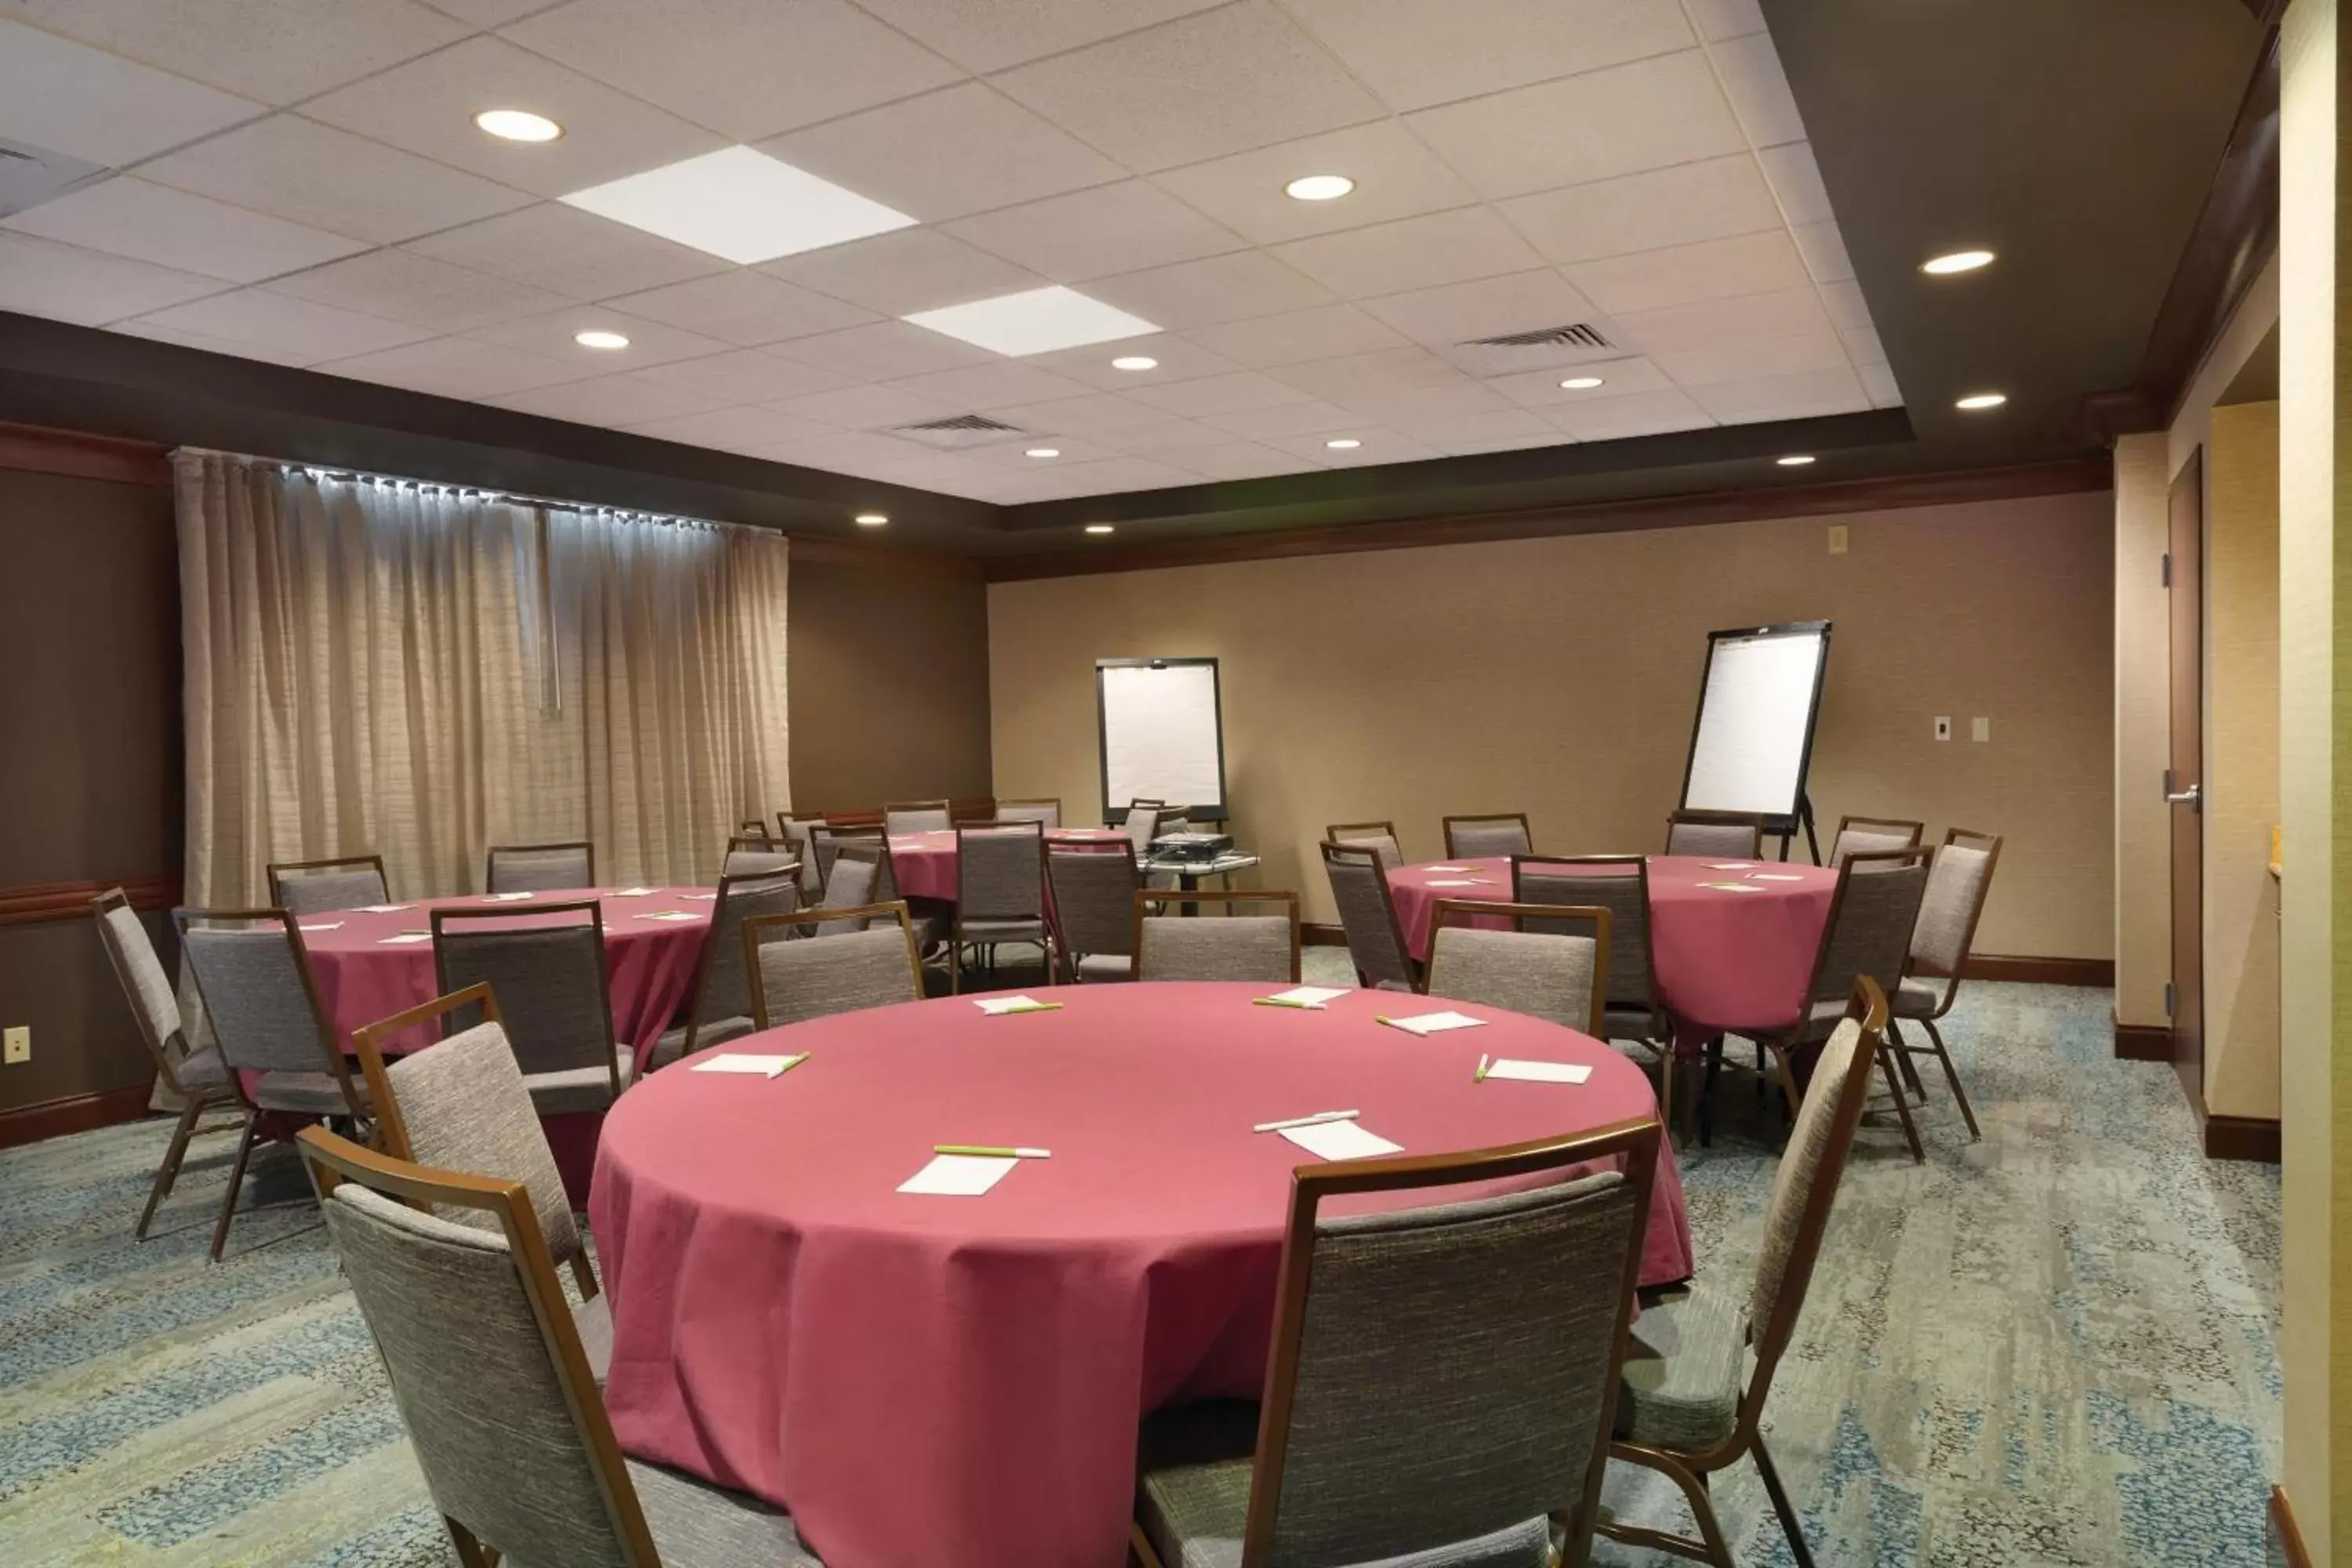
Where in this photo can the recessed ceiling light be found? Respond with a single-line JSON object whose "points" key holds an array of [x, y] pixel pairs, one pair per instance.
{"points": [[1043, 452], [1580, 382], [1796, 460], [740, 204], [1135, 361], [1034, 321], [1343, 444], [517, 125], [1976, 401], [1957, 261], [1319, 187], [595, 339], [1099, 528], [871, 520]]}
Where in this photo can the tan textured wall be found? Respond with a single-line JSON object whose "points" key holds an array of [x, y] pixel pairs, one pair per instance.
{"points": [[2142, 830], [1560, 677]]}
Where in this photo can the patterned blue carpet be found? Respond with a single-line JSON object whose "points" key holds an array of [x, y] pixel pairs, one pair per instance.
{"points": [[2055, 1347]]}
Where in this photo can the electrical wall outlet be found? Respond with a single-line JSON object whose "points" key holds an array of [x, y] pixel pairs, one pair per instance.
{"points": [[1943, 728], [1980, 729], [16, 1045], [1837, 539]]}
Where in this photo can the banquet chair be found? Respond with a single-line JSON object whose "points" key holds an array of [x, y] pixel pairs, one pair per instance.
{"points": [[1142, 820], [1000, 894], [756, 855], [1861, 835], [1701, 1362], [1368, 917], [917, 816], [317, 886], [875, 966], [1487, 837], [494, 1385], [461, 1104], [197, 1079], [753, 828], [1262, 948], [799, 833], [1560, 974], [1959, 879], [1381, 837], [551, 979], [853, 879], [1093, 883], [1443, 1379], [1737, 835], [1619, 884], [1045, 811], [540, 868], [720, 1005], [263, 1004]]}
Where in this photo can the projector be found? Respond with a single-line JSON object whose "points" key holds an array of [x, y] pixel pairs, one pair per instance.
{"points": [[1192, 845]]}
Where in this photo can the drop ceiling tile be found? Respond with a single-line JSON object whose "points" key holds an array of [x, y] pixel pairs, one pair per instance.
{"points": [[1711, 270], [1450, 400], [745, 308], [867, 408], [457, 367], [650, 341], [65, 283], [401, 286], [990, 386], [1758, 90], [1845, 304], [1235, 393], [1802, 396], [1246, 460], [1014, 455], [311, 174], [1328, 332], [1862, 345], [1503, 444], [1167, 434], [1523, 302], [1712, 199], [1621, 418], [1096, 232], [272, 51], [1395, 177], [1216, 289], [1823, 248], [1111, 476], [1797, 181], [1379, 445], [1647, 115], [731, 430], [989, 35], [126, 216], [850, 452], [747, 67], [1094, 415], [1771, 358], [1719, 19], [1878, 381], [92, 105], [744, 375], [1414, 54], [608, 400], [428, 105], [294, 357], [883, 352], [1712, 323], [1285, 419], [1619, 378], [489, 13], [946, 155], [1179, 361], [1355, 377], [278, 325], [907, 270], [1508, 425], [1197, 87], [555, 246], [1413, 253]]}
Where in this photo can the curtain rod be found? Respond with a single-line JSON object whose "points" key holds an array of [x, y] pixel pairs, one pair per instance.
{"points": [[489, 493]]}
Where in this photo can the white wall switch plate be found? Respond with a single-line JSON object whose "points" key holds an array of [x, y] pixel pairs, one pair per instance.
{"points": [[1980, 729], [1943, 728], [16, 1045], [1837, 539]]}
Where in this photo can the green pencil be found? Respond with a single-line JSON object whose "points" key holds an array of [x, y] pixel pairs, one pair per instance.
{"points": [[990, 1151]]}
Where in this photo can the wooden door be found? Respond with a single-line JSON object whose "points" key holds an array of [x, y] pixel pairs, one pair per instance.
{"points": [[2184, 777]]}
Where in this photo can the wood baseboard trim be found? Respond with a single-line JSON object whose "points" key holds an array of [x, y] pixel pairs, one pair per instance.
{"points": [[2098, 972], [2143, 1043], [2247, 1138], [2286, 1536], [1322, 936], [78, 1113]]}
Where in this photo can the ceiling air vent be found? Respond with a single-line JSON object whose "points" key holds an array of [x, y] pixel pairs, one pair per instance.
{"points": [[1542, 349], [962, 430], [30, 176]]}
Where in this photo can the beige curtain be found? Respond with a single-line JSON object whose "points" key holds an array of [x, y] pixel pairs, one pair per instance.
{"points": [[374, 666]]}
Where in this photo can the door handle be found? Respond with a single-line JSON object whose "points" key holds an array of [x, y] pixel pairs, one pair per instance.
{"points": [[2193, 797]]}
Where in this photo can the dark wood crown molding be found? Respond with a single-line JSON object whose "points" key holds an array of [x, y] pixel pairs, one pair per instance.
{"points": [[39, 450], [44, 903]]}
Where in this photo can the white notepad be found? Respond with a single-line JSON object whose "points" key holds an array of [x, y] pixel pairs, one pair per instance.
{"points": [[1729, 865], [705, 897], [1538, 1072], [751, 1065], [1341, 1141], [1453, 882], [997, 1006], [1774, 876], [669, 915], [381, 909], [1733, 887], [1453, 867], [632, 892], [507, 898], [404, 938], [959, 1175], [1429, 1023], [1310, 995], [325, 925]]}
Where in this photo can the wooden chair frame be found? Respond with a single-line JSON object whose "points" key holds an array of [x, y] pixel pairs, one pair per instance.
{"points": [[996, 808], [1053, 906], [595, 922], [332, 1160], [1901, 1049], [491, 860], [1337, 833], [895, 910], [1661, 1038], [1593, 915], [277, 869], [1635, 1144], [944, 807], [751, 825], [963, 905], [702, 959], [1334, 850], [1914, 831], [1146, 897], [1689, 1468], [760, 842], [1755, 820], [1518, 816]]}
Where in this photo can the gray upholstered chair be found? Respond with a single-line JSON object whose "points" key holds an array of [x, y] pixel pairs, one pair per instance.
{"points": [[1727, 834], [1701, 1362], [262, 1005], [1141, 819], [856, 871], [461, 1104], [1866, 835], [1262, 948], [877, 965], [917, 816], [1487, 837], [1045, 811], [1560, 974], [1093, 883], [719, 1008], [757, 855], [494, 1385], [799, 835], [197, 1079], [1442, 1378], [549, 971], [540, 868], [317, 886], [1381, 837], [1619, 884], [1959, 880], [1000, 893], [1376, 943]]}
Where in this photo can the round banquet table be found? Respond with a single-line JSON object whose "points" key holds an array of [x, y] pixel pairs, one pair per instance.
{"points": [[1723, 962], [960, 1379], [925, 863]]}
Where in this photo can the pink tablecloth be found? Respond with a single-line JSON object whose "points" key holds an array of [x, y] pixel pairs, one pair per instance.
{"points": [[1722, 961], [926, 862], [959, 1380]]}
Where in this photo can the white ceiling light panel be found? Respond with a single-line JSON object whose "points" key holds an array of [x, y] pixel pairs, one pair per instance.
{"points": [[741, 204], [1034, 321]]}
